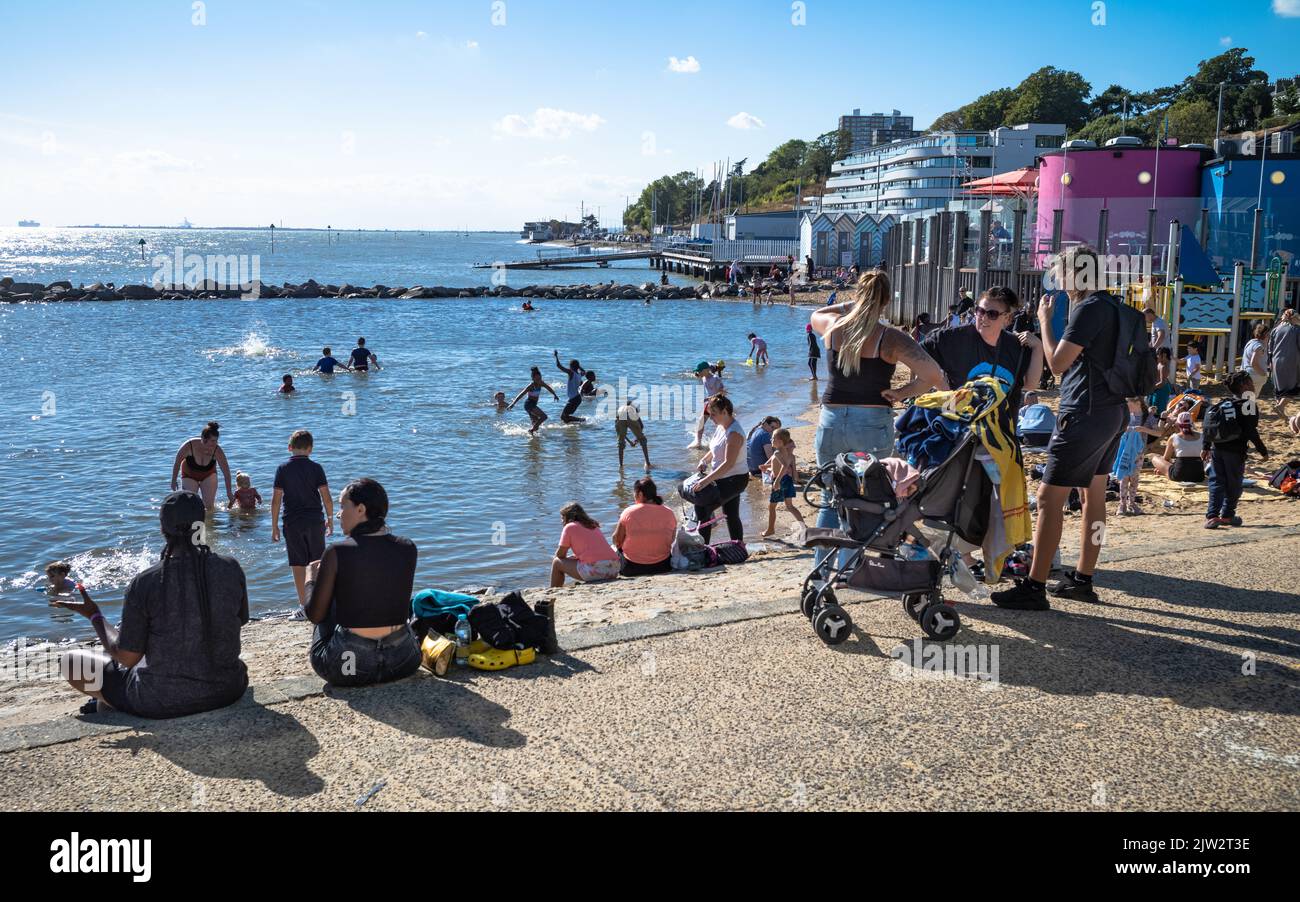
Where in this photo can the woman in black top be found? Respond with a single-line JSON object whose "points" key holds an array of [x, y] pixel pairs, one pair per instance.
{"points": [[177, 650], [359, 596]]}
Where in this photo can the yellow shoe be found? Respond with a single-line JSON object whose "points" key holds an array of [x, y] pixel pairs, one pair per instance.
{"points": [[497, 659], [478, 646], [436, 652]]}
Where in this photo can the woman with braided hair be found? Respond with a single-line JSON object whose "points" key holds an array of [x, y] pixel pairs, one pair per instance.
{"points": [[177, 649]]}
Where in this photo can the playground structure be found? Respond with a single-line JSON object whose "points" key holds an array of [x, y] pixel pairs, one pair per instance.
{"points": [[1199, 307]]}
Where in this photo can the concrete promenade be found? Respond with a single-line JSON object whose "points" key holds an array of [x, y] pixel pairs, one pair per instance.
{"points": [[1181, 692]]}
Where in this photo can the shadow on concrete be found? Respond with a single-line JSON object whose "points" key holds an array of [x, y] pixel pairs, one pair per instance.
{"points": [[1096, 653], [1192, 593], [247, 742], [432, 708]]}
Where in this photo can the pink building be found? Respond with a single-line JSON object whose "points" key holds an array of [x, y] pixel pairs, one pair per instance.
{"points": [[1125, 181]]}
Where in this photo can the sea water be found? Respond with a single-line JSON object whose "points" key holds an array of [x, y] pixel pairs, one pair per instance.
{"points": [[98, 397]]}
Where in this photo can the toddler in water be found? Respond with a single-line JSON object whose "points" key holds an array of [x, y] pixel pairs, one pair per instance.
{"points": [[783, 468], [499, 399], [246, 498], [57, 581], [287, 387]]}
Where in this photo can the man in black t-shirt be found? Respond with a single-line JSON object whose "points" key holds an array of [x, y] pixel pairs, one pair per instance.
{"points": [[986, 348], [1091, 419]]}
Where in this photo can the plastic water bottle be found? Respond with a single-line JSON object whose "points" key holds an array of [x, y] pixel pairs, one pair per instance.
{"points": [[463, 636], [910, 551], [962, 578]]}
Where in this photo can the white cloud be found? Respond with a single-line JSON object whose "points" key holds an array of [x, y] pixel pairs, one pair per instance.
{"points": [[551, 162], [686, 66], [1225, 41], [1288, 8], [547, 123], [745, 121], [153, 162], [471, 45], [421, 35]]}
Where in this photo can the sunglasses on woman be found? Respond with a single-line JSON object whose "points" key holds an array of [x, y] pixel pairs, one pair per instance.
{"points": [[985, 311]]}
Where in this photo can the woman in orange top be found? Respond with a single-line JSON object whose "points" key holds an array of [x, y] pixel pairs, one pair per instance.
{"points": [[645, 533]]}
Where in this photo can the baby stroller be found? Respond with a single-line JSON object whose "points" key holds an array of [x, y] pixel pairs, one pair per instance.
{"points": [[951, 497]]}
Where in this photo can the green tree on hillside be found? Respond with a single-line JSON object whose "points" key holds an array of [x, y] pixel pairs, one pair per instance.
{"points": [[1050, 95]]}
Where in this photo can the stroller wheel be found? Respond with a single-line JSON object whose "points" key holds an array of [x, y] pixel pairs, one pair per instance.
{"points": [[914, 605], [940, 622], [808, 599], [832, 624], [825, 597]]}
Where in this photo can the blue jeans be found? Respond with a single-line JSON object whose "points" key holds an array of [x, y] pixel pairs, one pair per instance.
{"points": [[342, 658], [842, 429], [1228, 468]]}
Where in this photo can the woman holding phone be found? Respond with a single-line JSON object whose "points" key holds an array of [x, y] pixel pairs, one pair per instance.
{"points": [[177, 650]]}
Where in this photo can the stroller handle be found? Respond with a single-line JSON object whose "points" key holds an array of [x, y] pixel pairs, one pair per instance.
{"points": [[817, 482]]}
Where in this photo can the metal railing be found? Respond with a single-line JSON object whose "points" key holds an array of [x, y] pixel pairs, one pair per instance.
{"points": [[777, 250]]}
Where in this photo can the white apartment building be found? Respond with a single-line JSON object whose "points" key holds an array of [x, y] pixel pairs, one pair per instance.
{"points": [[927, 172]]}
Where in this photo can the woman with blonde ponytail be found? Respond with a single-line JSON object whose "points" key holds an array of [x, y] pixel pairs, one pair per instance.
{"points": [[862, 354]]}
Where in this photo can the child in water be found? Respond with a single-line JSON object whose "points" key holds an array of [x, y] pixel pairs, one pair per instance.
{"points": [[783, 468], [57, 581], [589, 389], [499, 399], [246, 497], [287, 387]]}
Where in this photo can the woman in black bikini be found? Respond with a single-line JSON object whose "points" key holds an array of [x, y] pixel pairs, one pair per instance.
{"points": [[196, 463], [534, 391]]}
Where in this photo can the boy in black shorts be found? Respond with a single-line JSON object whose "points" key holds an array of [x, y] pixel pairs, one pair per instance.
{"points": [[300, 485], [1091, 419]]}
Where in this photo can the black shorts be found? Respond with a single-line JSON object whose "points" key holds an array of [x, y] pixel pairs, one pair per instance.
{"points": [[305, 542], [1084, 446]]}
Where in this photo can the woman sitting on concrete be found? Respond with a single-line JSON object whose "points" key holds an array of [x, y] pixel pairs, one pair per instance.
{"points": [[645, 532], [359, 596], [177, 650]]}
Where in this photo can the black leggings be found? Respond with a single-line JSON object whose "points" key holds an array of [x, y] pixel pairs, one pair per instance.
{"points": [[812, 365], [730, 489]]}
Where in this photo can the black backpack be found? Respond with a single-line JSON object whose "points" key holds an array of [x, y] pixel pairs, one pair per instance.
{"points": [[1222, 423], [510, 623], [1134, 372]]}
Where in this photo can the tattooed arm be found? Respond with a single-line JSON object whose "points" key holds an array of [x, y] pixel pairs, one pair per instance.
{"points": [[899, 347]]}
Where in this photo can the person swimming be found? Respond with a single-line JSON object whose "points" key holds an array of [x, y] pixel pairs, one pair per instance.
{"points": [[499, 399], [362, 358], [328, 362], [286, 387]]}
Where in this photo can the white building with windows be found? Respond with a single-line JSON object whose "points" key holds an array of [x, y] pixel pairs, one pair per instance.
{"points": [[927, 172]]}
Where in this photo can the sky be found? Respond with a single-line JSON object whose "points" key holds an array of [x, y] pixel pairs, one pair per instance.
{"points": [[482, 114]]}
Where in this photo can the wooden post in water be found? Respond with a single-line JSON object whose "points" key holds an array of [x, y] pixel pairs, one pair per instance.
{"points": [[142, 242], [273, 238]]}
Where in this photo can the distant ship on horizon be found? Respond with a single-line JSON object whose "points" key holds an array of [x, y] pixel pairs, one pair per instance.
{"points": [[28, 224]]}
